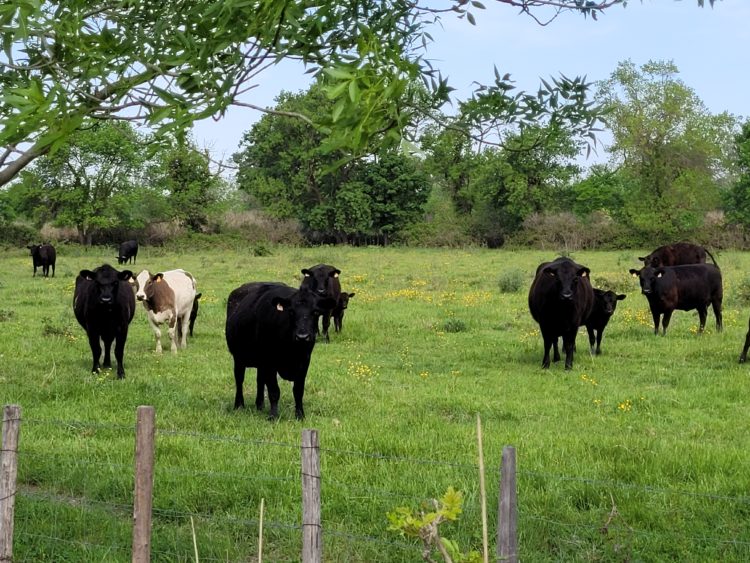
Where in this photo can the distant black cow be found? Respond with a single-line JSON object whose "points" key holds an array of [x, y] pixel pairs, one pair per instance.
{"points": [[128, 252], [323, 281], [104, 305], [605, 303], [194, 312], [560, 300], [677, 254], [687, 287], [43, 256], [338, 311], [272, 327]]}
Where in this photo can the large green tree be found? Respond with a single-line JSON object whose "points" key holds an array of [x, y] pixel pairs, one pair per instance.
{"points": [[284, 165], [672, 150], [738, 197], [165, 64], [88, 183]]}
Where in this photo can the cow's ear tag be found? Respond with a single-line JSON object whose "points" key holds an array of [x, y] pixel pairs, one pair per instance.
{"points": [[158, 280], [307, 275], [279, 307], [583, 275], [335, 275], [659, 275]]}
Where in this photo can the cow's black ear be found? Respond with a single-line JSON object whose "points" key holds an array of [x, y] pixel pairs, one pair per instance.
{"points": [[88, 274], [306, 272], [125, 275], [621, 296], [549, 271], [198, 295], [584, 272], [351, 295], [643, 258], [660, 272], [635, 272], [335, 273], [280, 303]]}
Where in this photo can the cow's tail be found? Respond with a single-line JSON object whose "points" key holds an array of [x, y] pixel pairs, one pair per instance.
{"points": [[712, 259]]}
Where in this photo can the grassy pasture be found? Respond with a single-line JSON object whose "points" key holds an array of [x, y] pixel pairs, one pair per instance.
{"points": [[638, 454]]}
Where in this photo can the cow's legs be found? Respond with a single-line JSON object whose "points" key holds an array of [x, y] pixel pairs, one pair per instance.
{"points": [[569, 342], [272, 383], [107, 363], [239, 379], [326, 324], [260, 389], [555, 351], [592, 338], [599, 334], [743, 356], [120, 352], [96, 350], [182, 322], [299, 391], [716, 304], [656, 317], [548, 343], [665, 322], [702, 316], [172, 331]]}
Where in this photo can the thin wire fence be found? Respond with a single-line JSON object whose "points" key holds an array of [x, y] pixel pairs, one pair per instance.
{"points": [[63, 512]]}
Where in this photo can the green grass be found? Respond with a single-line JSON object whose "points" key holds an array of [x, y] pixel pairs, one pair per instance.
{"points": [[637, 454]]}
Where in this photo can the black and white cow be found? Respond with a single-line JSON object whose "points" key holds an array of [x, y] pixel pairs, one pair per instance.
{"points": [[104, 305]]}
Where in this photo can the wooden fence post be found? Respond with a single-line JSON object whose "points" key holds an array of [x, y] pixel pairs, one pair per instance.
{"points": [[8, 472], [144, 484], [507, 513], [312, 533]]}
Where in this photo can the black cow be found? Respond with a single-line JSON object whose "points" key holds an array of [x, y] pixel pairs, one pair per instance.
{"points": [[104, 305], [687, 287], [677, 254], [194, 312], [605, 303], [338, 311], [323, 281], [128, 252], [43, 256], [272, 327], [560, 300]]}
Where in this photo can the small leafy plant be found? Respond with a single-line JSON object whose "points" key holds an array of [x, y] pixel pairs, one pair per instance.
{"points": [[424, 524]]}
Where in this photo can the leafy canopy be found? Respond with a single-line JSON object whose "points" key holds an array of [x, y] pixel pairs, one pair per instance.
{"points": [[166, 64]]}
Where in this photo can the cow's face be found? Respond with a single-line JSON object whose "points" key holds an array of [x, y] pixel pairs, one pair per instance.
{"points": [[608, 300], [106, 282], [150, 287], [303, 310], [139, 285], [648, 277], [344, 299], [567, 277], [319, 279], [34, 250]]}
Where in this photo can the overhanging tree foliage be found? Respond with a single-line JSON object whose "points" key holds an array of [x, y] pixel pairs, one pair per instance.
{"points": [[166, 64]]}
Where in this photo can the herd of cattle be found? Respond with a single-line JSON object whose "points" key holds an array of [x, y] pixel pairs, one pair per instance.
{"points": [[676, 276], [269, 326], [273, 327]]}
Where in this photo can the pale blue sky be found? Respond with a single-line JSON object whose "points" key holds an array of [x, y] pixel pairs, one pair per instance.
{"points": [[711, 48]]}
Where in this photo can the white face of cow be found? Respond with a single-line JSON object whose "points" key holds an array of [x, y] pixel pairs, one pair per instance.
{"points": [[140, 285]]}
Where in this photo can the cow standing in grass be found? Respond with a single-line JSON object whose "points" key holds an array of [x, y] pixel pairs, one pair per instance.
{"points": [[323, 281], [272, 327], [688, 287], [560, 300], [128, 252], [605, 303], [43, 256], [104, 305], [338, 311], [168, 297], [677, 254]]}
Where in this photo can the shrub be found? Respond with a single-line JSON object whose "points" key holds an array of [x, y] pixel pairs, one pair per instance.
{"points": [[18, 235], [511, 281], [454, 325]]}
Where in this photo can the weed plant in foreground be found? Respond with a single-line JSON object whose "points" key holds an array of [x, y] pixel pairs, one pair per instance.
{"points": [[637, 454]]}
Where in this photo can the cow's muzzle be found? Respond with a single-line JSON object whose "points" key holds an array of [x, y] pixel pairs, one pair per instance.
{"points": [[303, 336]]}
